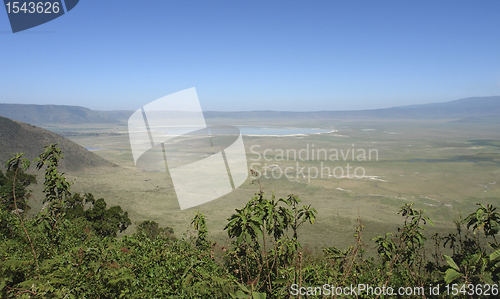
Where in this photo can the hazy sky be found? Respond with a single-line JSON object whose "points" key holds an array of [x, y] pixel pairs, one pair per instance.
{"points": [[256, 55]]}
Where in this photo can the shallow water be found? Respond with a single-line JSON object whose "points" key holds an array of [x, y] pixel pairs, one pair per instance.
{"points": [[279, 131], [93, 148]]}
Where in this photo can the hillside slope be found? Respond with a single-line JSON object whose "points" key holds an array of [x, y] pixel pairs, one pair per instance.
{"points": [[17, 137]]}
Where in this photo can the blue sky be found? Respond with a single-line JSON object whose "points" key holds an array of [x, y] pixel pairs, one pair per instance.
{"points": [[256, 55]]}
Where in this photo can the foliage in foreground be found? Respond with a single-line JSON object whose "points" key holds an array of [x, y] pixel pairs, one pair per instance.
{"points": [[70, 249]]}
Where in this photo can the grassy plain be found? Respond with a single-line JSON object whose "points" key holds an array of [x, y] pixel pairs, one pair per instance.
{"points": [[441, 166]]}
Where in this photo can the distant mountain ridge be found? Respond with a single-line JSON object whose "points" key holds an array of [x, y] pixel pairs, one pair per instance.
{"points": [[458, 109], [473, 107], [60, 114]]}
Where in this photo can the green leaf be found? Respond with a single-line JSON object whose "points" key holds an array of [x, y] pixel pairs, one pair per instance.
{"points": [[495, 227], [479, 214], [244, 288], [239, 294], [495, 255], [259, 295], [451, 262], [256, 219], [451, 275], [474, 259], [494, 245]]}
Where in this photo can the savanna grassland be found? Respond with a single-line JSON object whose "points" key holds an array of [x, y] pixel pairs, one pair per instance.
{"points": [[443, 167], [110, 230]]}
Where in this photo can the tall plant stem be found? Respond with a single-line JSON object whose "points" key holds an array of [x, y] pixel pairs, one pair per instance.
{"points": [[21, 218]]}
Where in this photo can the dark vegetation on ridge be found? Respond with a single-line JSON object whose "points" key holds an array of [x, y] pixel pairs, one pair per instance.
{"points": [[20, 137]]}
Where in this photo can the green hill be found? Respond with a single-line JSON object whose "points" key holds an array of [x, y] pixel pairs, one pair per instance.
{"points": [[18, 137]]}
